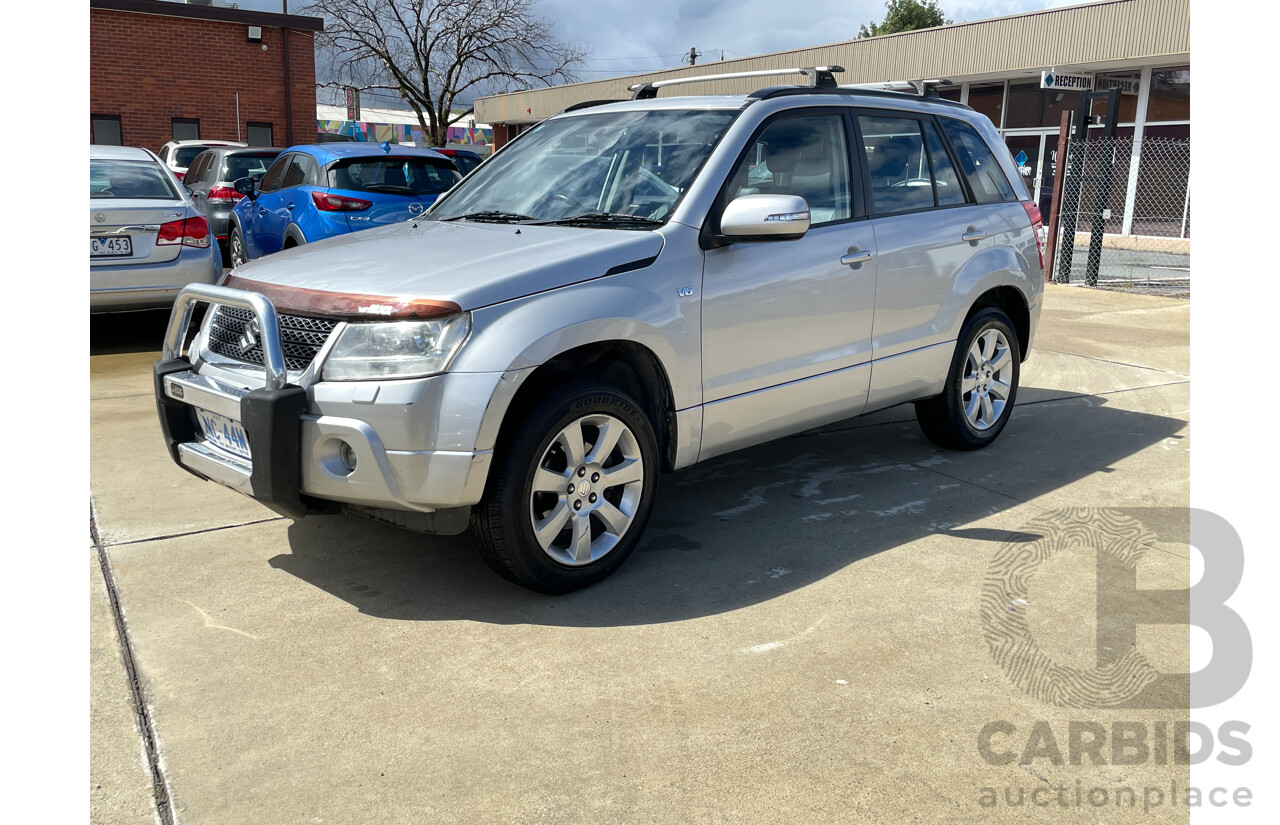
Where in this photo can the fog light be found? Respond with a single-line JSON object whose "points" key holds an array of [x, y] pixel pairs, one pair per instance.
{"points": [[347, 455]]}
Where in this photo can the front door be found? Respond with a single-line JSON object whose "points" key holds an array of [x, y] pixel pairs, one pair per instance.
{"points": [[786, 325]]}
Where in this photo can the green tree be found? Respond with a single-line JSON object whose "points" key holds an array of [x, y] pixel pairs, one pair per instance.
{"points": [[905, 16]]}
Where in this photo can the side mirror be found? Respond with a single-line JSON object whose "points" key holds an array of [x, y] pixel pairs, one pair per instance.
{"points": [[247, 186], [765, 218], [191, 193]]}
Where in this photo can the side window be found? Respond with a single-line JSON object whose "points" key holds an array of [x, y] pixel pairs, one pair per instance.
{"points": [[946, 185], [986, 179], [201, 168], [897, 164], [271, 182], [296, 175], [806, 156]]}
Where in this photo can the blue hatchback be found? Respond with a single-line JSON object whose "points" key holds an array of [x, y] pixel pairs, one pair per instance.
{"points": [[315, 192]]}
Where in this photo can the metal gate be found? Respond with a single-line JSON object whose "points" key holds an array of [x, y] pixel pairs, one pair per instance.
{"points": [[1122, 227]]}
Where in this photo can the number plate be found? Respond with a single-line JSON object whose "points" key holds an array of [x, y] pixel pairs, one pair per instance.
{"points": [[224, 433], [119, 246]]}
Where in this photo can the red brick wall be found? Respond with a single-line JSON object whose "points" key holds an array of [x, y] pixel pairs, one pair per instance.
{"points": [[149, 69]]}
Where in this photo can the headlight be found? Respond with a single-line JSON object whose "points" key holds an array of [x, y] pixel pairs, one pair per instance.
{"points": [[399, 349]]}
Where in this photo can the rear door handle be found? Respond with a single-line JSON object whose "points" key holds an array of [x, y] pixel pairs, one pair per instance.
{"points": [[973, 235], [262, 210], [290, 206], [856, 257]]}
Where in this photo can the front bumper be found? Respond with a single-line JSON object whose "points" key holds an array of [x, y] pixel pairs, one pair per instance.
{"points": [[296, 465]]}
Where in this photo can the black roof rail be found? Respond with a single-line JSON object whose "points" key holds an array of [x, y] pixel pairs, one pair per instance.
{"points": [[587, 104], [786, 91], [820, 77]]}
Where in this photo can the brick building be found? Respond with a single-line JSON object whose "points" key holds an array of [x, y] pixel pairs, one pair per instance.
{"points": [[162, 71]]}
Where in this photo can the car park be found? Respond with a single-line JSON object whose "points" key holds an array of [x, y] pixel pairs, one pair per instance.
{"points": [[211, 179], [147, 239], [624, 290], [321, 191], [178, 154]]}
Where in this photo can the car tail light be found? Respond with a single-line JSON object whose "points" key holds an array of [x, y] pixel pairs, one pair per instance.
{"points": [[181, 176], [1037, 226], [327, 202], [223, 194], [188, 232]]}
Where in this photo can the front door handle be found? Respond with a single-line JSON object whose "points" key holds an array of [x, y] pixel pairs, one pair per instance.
{"points": [[856, 257], [973, 235]]}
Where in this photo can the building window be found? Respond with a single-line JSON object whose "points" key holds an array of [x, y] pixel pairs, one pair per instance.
{"points": [[186, 128], [259, 134], [106, 130], [987, 99], [1170, 97]]}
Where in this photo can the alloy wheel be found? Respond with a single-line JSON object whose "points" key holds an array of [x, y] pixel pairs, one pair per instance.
{"points": [[987, 383]]}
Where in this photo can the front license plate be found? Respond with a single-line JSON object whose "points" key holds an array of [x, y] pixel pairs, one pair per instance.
{"points": [[120, 246], [224, 433]]}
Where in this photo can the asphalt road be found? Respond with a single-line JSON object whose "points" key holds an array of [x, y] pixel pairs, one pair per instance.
{"points": [[814, 630]]}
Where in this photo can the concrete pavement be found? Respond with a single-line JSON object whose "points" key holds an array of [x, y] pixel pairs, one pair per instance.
{"points": [[802, 636]]}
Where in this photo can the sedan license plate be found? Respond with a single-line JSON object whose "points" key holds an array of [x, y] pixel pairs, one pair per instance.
{"points": [[224, 433], [121, 246]]}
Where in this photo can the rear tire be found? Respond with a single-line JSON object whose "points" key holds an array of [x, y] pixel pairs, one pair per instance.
{"points": [[570, 491], [981, 387], [237, 252]]}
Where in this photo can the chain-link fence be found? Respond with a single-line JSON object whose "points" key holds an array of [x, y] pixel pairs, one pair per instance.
{"points": [[1122, 230]]}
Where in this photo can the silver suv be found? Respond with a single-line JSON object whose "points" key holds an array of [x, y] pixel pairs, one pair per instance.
{"points": [[624, 290]]}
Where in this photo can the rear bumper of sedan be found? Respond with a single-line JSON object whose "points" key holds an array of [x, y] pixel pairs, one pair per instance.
{"points": [[151, 285]]}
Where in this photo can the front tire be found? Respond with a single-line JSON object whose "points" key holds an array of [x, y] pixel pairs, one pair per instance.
{"points": [[981, 387], [571, 491]]}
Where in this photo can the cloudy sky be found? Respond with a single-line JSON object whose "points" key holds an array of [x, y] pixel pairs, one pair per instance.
{"points": [[626, 36]]}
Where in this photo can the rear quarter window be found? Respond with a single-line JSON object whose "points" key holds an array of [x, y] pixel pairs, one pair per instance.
{"points": [[986, 178]]}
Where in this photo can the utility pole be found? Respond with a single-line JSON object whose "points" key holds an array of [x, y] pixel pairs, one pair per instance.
{"points": [[694, 54]]}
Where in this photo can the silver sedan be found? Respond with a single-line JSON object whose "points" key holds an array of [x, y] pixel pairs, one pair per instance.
{"points": [[147, 239]]}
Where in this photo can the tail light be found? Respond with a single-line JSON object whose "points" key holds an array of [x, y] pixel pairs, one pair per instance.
{"points": [[181, 176], [188, 232], [327, 202], [223, 194], [1037, 227]]}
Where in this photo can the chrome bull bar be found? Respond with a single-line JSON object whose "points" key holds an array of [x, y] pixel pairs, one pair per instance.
{"points": [[264, 313]]}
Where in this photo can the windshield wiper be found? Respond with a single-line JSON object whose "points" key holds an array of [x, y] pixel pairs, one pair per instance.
{"points": [[490, 216], [601, 219], [392, 188]]}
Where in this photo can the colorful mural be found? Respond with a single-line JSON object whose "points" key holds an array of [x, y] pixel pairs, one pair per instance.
{"points": [[402, 132]]}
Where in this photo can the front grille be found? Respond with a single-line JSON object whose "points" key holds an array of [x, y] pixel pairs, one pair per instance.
{"points": [[301, 338]]}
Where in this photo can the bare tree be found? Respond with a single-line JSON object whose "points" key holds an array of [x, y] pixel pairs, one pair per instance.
{"points": [[439, 54]]}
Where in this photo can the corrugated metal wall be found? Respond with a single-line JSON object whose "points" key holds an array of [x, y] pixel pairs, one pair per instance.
{"points": [[1077, 35]]}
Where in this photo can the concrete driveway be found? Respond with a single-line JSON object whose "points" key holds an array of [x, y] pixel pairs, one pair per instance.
{"points": [[809, 632]]}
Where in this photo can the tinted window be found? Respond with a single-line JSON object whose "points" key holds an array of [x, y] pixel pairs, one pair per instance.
{"points": [[275, 174], [248, 165], [897, 164], [946, 184], [300, 168], [805, 156], [183, 155], [396, 176], [129, 180], [986, 179], [465, 163], [199, 168]]}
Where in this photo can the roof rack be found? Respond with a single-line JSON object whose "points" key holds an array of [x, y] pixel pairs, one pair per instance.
{"points": [[587, 104], [923, 88], [820, 77]]}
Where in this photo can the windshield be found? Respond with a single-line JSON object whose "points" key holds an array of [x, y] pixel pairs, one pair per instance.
{"points": [[246, 165], [129, 179], [635, 164], [394, 176]]}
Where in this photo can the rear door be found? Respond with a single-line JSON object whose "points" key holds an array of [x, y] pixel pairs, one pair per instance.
{"points": [[928, 227]]}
